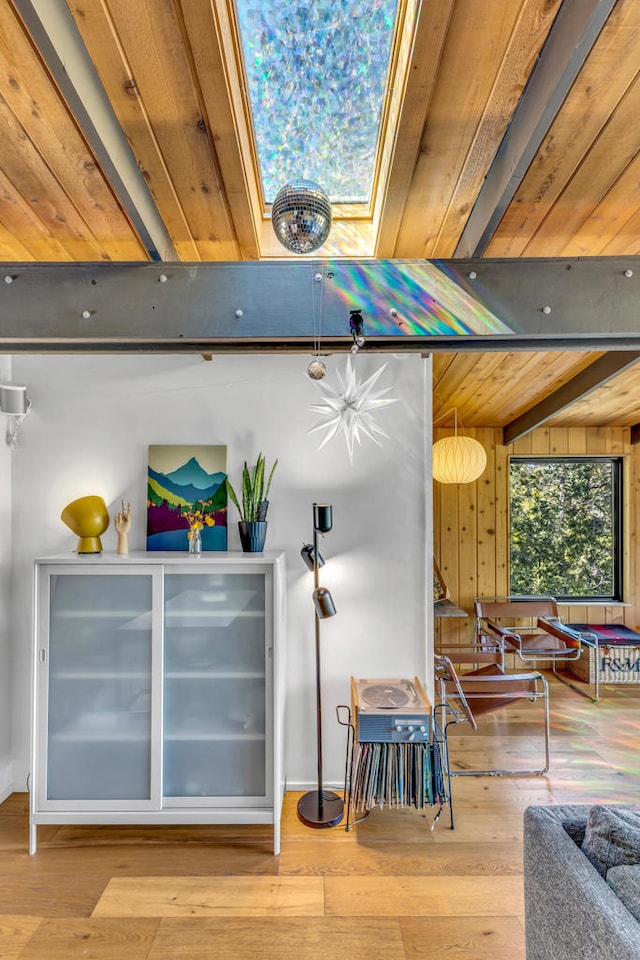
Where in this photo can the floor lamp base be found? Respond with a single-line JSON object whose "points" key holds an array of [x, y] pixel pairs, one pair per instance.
{"points": [[320, 808]]}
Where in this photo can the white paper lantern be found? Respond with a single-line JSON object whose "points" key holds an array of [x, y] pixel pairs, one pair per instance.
{"points": [[458, 459]]}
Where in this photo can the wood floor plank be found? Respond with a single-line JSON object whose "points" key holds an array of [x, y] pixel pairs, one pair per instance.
{"points": [[91, 940], [423, 896], [305, 858], [465, 938], [212, 897], [15, 933], [278, 939]]}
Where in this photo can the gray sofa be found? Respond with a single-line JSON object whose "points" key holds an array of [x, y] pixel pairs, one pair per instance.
{"points": [[571, 911]]}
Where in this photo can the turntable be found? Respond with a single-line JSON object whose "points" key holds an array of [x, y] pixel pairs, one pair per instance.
{"points": [[390, 711]]}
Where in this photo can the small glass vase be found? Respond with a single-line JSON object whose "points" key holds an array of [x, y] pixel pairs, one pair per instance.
{"points": [[195, 542]]}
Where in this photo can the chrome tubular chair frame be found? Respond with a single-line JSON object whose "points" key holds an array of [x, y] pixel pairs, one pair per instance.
{"points": [[466, 696], [543, 636]]}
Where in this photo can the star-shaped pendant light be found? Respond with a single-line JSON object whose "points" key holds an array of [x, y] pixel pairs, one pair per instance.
{"points": [[351, 408]]}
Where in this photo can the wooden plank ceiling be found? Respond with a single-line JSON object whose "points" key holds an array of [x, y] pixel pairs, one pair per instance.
{"points": [[510, 130]]}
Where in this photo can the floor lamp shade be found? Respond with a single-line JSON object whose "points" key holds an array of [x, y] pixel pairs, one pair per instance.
{"points": [[324, 604], [308, 553], [458, 459], [322, 517]]}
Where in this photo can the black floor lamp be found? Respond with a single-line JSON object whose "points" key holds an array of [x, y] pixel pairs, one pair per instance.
{"points": [[319, 808]]}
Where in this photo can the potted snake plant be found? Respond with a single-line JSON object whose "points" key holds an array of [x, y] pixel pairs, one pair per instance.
{"points": [[255, 504]]}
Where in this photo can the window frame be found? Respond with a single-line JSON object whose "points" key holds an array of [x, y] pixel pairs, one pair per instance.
{"points": [[618, 524]]}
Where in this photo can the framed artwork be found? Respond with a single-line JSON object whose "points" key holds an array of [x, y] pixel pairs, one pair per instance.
{"points": [[183, 481]]}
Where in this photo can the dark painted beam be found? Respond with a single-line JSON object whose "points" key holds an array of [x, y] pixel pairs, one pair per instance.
{"points": [[603, 369], [573, 34], [413, 305]]}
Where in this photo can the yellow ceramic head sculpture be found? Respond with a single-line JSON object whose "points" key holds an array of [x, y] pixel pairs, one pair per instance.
{"points": [[88, 517]]}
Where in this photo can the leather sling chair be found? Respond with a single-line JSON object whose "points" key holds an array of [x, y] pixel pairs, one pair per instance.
{"points": [[485, 689], [531, 628]]}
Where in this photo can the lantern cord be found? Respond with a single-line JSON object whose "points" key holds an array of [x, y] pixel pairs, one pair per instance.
{"points": [[454, 411], [317, 326]]}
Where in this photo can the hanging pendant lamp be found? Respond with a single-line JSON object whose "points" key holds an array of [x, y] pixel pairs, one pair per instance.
{"points": [[457, 459]]}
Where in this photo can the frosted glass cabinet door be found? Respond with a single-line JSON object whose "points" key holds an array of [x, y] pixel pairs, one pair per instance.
{"points": [[99, 698], [215, 681]]}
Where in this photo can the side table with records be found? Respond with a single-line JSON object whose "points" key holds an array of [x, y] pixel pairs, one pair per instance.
{"points": [[395, 751]]}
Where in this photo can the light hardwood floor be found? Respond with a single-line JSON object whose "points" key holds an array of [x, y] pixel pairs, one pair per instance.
{"points": [[389, 889]]}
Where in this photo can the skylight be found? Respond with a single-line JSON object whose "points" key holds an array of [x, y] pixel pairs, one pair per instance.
{"points": [[316, 71]]}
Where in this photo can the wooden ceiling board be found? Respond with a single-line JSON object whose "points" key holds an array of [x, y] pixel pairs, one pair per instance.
{"points": [[615, 403], [410, 107], [25, 237], [151, 36], [157, 72], [48, 165], [491, 389], [444, 388], [217, 62], [38, 187], [479, 38], [627, 239], [610, 69], [116, 75], [526, 41], [612, 225], [609, 156]]}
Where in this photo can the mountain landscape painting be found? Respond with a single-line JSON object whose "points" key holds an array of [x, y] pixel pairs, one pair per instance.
{"points": [[183, 479]]}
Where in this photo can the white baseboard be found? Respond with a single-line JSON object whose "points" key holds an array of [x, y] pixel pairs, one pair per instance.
{"points": [[7, 786], [299, 786]]}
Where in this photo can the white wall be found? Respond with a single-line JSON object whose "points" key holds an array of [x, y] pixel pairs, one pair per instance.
{"points": [[91, 422], [6, 769]]}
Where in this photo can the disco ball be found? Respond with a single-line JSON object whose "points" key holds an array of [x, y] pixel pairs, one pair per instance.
{"points": [[301, 216]]}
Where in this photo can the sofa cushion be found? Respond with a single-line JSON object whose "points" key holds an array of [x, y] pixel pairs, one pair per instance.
{"points": [[625, 882], [612, 837]]}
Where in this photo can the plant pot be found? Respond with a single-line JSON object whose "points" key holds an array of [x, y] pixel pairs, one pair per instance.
{"points": [[253, 535]]}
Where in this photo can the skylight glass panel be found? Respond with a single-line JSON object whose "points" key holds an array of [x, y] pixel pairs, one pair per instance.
{"points": [[316, 71]]}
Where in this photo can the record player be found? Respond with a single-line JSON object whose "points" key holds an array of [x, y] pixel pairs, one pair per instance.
{"points": [[390, 711]]}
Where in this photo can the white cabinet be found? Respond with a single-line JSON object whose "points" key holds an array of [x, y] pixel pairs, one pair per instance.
{"points": [[159, 690]]}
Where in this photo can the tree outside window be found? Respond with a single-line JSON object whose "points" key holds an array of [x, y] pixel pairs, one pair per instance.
{"points": [[565, 527]]}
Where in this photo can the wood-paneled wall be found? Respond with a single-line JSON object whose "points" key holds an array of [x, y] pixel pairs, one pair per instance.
{"points": [[471, 535]]}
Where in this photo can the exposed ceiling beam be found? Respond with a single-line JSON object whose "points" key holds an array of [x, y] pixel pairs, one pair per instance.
{"points": [[635, 433], [407, 305], [60, 46], [589, 379], [573, 34]]}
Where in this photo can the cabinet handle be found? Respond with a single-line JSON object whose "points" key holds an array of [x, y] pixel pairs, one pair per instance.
{"points": [[43, 655]]}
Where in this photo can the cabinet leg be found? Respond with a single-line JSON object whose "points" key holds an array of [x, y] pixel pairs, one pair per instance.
{"points": [[276, 837], [33, 836]]}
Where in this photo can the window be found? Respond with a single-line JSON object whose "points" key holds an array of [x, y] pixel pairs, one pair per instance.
{"points": [[316, 73], [565, 527]]}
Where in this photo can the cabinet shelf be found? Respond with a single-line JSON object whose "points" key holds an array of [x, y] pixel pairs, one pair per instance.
{"points": [[215, 675], [200, 737], [114, 736], [99, 675]]}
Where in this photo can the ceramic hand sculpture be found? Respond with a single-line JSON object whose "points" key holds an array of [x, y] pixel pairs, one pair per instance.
{"points": [[122, 523]]}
